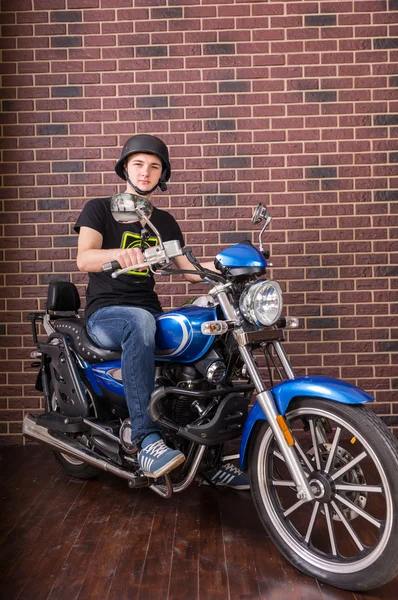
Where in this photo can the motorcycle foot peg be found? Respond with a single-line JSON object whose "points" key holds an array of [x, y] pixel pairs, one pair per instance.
{"points": [[138, 482], [54, 421]]}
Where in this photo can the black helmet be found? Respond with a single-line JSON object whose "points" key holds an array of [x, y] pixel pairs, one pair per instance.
{"points": [[148, 144]]}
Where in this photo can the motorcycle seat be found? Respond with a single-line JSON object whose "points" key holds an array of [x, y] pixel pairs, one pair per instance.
{"points": [[75, 329]]}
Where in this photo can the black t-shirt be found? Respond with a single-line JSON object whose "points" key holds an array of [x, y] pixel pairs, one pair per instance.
{"points": [[133, 288]]}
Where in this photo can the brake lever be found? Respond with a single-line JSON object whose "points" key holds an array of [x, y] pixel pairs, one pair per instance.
{"points": [[112, 266], [188, 253], [143, 265], [155, 255]]}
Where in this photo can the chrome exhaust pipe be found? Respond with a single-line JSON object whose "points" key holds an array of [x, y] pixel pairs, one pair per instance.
{"points": [[73, 448]]}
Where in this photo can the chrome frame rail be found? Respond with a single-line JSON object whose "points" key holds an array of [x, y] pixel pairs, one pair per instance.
{"points": [[166, 491]]}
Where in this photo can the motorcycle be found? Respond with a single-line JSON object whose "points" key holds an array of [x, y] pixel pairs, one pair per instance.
{"points": [[322, 467]]}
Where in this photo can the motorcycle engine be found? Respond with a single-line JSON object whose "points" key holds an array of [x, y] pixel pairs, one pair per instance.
{"points": [[180, 408]]}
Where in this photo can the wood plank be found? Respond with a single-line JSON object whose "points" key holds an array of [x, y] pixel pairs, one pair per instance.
{"points": [[10, 458], [331, 593], [277, 578], [241, 569], [184, 573], [73, 508], [252, 557], [98, 540], [145, 565], [86, 544], [213, 577], [126, 582], [35, 545], [29, 529], [154, 583], [20, 491], [112, 545], [386, 592]]}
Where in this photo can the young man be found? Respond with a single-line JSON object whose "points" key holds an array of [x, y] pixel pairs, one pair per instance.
{"points": [[121, 312]]}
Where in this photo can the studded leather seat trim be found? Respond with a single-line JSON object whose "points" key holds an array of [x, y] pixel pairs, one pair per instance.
{"points": [[82, 343]]}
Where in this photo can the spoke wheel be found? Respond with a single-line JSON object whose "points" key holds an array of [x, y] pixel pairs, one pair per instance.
{"points": [[347, 536]]}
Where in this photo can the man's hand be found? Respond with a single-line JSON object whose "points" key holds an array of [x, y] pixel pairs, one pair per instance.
{"points": [[91, 256], [129, 257]]}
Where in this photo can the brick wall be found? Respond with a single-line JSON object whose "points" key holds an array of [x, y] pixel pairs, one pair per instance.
{"points": [[290, 103]]}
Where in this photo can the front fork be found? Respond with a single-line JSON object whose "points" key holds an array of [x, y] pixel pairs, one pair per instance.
{"points": [[267, 403], [266, 400]]}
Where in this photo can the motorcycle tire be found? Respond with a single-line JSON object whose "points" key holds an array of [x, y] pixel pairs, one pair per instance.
{"points": [[74, 467], [348, 535]]}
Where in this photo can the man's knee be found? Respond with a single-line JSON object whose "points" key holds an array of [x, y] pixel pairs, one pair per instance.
{"points": [[140, 324]]}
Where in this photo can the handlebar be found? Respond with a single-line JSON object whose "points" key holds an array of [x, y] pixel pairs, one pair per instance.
{"points": [[111, 266], [154, 255], [161, 257]]}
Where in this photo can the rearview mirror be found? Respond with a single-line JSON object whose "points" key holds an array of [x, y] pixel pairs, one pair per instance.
{"points": [[260, 213], [129, 208]]}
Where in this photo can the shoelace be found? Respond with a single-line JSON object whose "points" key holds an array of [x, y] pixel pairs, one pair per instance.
{"points": [[156, 448], [225, 474], [231, 468]]}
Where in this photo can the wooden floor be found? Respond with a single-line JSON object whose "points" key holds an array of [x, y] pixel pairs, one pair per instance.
{"points": [[62, 538]]}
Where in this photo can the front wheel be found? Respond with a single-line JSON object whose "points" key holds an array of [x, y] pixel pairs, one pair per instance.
{"points": [[348, 535]]}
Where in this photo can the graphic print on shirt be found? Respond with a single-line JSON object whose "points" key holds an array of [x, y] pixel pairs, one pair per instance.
{"points": [[134, 240]]}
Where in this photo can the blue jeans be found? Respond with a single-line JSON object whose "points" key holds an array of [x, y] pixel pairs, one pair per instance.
{"points": [[132, 330]]}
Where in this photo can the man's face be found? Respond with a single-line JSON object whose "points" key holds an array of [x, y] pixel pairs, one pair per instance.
{"points": [[144, 170]]}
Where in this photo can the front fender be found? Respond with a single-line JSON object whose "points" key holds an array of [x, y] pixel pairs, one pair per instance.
{"points": [[314, 386]]}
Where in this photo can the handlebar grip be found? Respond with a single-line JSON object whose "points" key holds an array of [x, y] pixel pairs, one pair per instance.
{"points": [[111, 266]]}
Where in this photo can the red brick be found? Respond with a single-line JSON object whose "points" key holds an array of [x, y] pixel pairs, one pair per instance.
{"points": [[102, 15], [29, 17], [273, 127], [298, 33], [84, 29]]}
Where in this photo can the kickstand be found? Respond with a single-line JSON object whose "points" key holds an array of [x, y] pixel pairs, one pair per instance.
{"points": [[220, 489]]}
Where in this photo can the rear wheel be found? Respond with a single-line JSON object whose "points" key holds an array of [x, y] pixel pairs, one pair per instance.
{"points": [[71, 465], [348, 535]]}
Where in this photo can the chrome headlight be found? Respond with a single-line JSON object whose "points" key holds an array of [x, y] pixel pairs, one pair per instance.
{"points": [[261, 302]]}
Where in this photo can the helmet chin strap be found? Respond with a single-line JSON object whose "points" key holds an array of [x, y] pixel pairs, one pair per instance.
{"points": [[160, 183], [137, 189]]}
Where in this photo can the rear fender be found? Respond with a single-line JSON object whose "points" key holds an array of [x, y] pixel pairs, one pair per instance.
{"points": [[314, 386]]}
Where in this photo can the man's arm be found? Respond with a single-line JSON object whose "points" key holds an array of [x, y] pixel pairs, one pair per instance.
{"points": [[91, 256], [182, 262]]}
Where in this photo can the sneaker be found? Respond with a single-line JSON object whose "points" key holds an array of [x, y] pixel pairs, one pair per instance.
{"points": [[227, 475], [156, 459]]}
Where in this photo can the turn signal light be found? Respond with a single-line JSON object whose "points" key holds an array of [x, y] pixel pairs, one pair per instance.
{"points": [[288, 323], [291, 322], [214, 327]]}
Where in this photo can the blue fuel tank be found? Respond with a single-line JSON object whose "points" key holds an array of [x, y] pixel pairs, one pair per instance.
{"points": [[179, 336]]}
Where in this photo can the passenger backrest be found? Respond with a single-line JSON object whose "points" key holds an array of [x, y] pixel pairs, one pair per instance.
{"points": [[62, 296]]}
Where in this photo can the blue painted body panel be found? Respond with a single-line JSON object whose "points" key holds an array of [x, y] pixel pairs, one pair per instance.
{"points": [[314, 386], [319, 387], [100, 371], [178, 338], [178, 335], [241, 255], [88, 371]]}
